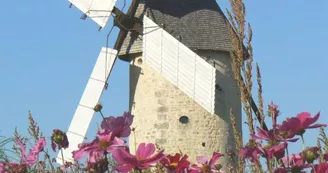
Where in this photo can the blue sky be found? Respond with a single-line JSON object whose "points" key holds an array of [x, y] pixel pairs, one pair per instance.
{"points": [[47, 54]]}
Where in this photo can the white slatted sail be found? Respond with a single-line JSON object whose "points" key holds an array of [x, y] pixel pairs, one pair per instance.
{"points": [[98, 10], [90, 98], [179, 65]]}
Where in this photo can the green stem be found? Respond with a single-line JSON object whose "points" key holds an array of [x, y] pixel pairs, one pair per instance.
{"points": [[103, 117], [50, 162], [107, 160], [303, 143], [62, 154], [135, 141], [287, 158], [313, 169]]}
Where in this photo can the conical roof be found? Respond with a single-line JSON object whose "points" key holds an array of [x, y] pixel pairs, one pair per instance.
{"points": [[199, 24]]}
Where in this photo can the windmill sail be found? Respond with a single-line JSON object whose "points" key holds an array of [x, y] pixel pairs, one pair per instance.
{"points": [[179, 65], [98, 10], [90, 98]]}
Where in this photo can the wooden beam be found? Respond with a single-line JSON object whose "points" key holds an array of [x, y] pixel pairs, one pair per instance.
{"points": [[123, 33], [255, 109]]}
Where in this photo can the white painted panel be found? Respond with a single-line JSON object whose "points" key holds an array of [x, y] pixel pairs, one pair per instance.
{"points": [[93, 90], [153, 59], [204, 89], [186, 88], [98, 10], [155, 47], [186, 66], [179, 65], [104, 65], [90, 97], [170, 59], [77, 131]]}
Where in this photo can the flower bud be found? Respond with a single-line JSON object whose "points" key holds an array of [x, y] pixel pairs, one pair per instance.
{"points": [[59, 139], [310, 154], [273, 113], [98, 108]]}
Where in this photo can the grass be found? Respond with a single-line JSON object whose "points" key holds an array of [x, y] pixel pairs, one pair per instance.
{"points": [[5, 153]]}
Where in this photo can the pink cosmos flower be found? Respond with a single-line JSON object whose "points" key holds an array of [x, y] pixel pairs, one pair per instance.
{"points": [[320, 168], [208, 166], [143, 159], [31, 158], [285, 170], [104, 143], [120, 126], [194, 169], [295, 162], [301, 122], [25, 160], [251, 153], [3, 167], [325, 156], [176, 163], [12, 167], [39, 146], [277, 151], [276, 135]]}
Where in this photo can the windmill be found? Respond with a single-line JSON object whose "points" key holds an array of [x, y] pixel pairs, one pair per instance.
{"points": [[181, 82]]}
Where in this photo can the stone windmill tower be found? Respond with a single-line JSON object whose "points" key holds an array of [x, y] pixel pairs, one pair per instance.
{"points": [[163, 113], [181, 81]]}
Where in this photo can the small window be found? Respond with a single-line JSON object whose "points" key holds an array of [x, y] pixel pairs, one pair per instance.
{"points": [[139, 61], [184, 119]]}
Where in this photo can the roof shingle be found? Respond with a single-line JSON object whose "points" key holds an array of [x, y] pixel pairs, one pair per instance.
{"points": [[199, 24]]}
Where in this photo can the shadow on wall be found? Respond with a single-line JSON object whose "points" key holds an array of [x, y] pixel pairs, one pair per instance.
{"points": [[135, 72], [227, 96], [227, 93]]}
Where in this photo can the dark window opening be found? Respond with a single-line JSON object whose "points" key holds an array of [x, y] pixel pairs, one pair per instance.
{"points": [[184, 119]]}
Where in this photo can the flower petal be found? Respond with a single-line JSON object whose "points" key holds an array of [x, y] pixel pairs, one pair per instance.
{"points": [[38, 147], [120, 126], [155, 158], [175, 158], [94, 156], [215, 157], [22, 149], [202, 159], [122, 156], [84, 149], [108, 122], [31, 159], [124, 168], [145, 150], [2, 167], [317, 126], [306, 119], [128, 118]]}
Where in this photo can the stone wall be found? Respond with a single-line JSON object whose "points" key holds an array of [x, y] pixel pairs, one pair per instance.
{"points": [[158, 105]]}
